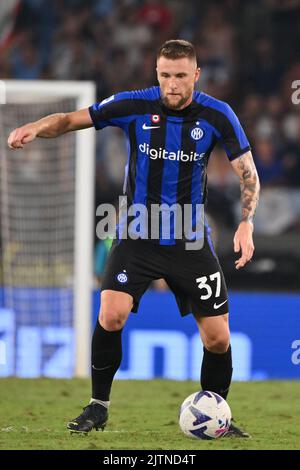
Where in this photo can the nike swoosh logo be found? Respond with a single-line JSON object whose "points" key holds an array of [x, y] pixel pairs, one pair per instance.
{"points": [[102, 368], [145, 127], [220, 305]]}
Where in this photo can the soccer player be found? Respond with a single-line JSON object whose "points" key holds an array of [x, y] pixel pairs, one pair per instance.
{"points": [[171, 130]]}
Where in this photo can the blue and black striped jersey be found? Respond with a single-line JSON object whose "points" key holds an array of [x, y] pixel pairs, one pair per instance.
{"points": [[168, 150]]}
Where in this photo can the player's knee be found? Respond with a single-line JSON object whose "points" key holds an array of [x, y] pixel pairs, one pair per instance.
{"points": [[217, 344], [112, 319], [112, 322], [113, 316]]}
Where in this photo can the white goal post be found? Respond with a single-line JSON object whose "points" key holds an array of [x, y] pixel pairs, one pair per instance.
{"points": [[84, 94]]}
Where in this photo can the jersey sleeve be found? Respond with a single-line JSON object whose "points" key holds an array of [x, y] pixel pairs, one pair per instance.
{"points": [[117, 110], [231, 134]]}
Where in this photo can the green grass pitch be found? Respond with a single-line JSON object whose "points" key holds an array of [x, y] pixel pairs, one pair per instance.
{"points": [[143, 415]]}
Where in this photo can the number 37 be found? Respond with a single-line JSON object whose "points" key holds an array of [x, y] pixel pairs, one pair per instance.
{"points": [[202, 284]]}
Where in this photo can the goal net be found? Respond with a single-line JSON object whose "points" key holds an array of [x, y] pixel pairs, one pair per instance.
{"points": [[46, 236]]}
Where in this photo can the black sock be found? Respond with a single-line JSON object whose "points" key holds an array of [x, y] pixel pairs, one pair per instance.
{"points": [[216, 372], [106, 355]]}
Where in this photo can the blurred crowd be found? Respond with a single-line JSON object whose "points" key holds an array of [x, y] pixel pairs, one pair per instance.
{"points": [[248, 52]]}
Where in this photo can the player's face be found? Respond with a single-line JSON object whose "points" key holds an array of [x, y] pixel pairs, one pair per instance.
{"points": [[177, 79]]}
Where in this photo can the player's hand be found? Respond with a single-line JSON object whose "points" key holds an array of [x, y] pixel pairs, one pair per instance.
{"points": [[243, 242], [21, 136]]}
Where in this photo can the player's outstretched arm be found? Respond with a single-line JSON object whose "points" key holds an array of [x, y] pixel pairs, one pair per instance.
{"points": [[244, 167], [49, 126]]}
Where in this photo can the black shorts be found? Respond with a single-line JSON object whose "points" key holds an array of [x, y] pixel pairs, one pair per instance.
{"points": [[195, 277]]}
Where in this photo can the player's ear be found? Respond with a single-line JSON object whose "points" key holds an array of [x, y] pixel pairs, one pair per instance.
{"points": [[197, 74], [157, 76]]}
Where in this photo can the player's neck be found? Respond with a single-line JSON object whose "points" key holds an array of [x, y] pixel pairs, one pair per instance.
{"points": [[186, 104]]}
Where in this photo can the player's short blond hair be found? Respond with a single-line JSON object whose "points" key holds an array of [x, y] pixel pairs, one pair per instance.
{"points": [[177, 49]]}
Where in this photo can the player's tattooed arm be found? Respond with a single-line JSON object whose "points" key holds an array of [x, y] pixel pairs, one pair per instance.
{"points": [[244, 167]]}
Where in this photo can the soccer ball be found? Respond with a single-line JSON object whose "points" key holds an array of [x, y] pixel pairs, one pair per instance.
{"points": [[204, 415]]}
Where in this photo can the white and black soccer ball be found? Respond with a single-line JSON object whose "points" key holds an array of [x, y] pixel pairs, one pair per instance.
{"points": [[204, 415]]}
